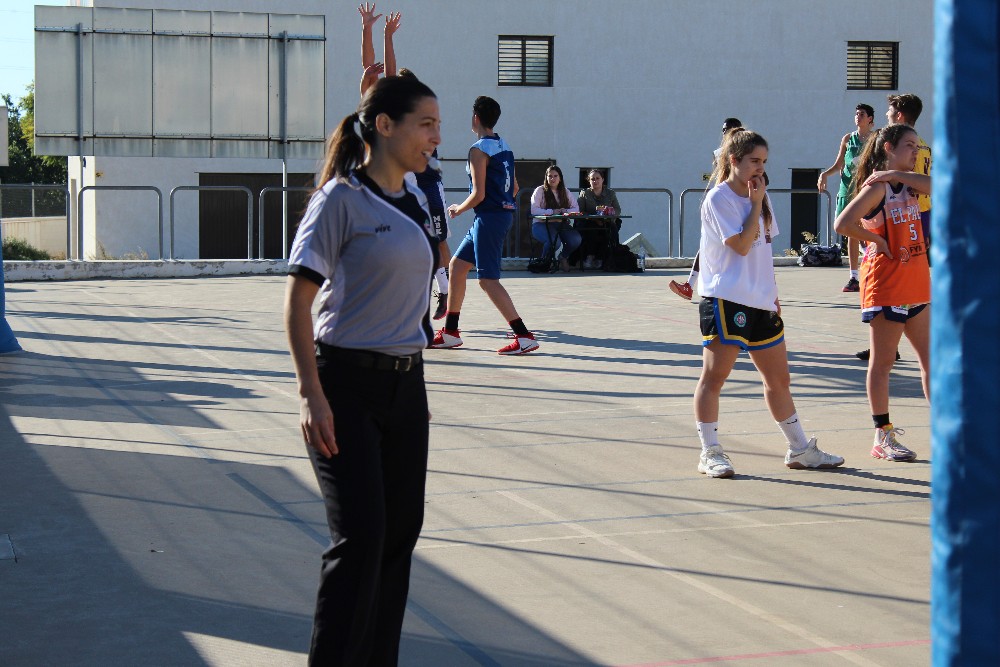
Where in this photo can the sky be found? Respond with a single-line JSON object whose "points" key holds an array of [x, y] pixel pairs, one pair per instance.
{"points": [[17, 45]]}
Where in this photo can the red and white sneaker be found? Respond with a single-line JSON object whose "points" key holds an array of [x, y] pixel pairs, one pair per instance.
{"points": [[683, 290], [445, 339], [520, 345]]}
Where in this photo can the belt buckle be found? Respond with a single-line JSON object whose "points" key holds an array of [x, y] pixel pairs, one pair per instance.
{"points": [[403, 364]]}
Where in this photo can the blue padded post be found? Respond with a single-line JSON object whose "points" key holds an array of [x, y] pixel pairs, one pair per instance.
{"points": [[965, 374]]}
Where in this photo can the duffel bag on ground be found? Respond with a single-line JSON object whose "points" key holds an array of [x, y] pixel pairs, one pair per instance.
{"points": [[813, 254]]}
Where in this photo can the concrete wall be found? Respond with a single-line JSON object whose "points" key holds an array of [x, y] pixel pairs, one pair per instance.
{"points": [[642, 87], [48, 233]]}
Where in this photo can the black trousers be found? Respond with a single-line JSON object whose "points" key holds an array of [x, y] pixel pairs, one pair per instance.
{"points": [[373, 491]]}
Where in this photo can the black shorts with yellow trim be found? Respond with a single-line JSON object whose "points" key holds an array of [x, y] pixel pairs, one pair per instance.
{"points": [[736, 324], [892, 313]]}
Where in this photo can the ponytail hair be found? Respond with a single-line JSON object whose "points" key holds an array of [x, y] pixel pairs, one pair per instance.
{"points": [[737, 144], [347, 147], [873, 156]]}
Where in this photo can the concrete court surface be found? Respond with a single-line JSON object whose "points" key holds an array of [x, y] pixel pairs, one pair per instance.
{"points": [[157, 506]]}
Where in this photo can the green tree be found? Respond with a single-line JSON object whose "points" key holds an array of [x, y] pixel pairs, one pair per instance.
{"points": [[25, 166]]}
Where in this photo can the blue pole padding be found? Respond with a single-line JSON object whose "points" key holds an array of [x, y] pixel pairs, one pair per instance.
{"points": [[965, 370]]}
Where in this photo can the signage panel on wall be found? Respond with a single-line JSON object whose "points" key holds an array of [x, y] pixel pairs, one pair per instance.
{"points": [[137, 82]]}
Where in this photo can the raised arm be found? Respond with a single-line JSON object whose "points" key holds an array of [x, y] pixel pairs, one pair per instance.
{"points": [[478, 163], [836, 167], [391, 26], [370, 76], [742, 242], [368, 18], [918, 182]]}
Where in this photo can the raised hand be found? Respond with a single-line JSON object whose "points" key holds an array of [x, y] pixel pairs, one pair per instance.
{"points": [[370, 76], [757, 188], [368, 15], [392, 22]]}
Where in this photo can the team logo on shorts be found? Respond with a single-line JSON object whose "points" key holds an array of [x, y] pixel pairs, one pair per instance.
{"points": [[904, 254], [740, 319]]}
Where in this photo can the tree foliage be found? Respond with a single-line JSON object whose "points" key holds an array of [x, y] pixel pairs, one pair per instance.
{"points": [[25, 166]]}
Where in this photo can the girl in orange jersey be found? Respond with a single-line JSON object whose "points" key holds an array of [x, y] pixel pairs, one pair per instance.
{"points": [[895, 275]]}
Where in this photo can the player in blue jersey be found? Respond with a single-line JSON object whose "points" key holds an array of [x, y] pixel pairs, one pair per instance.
{"points": [[493, 186], [431, 184]]}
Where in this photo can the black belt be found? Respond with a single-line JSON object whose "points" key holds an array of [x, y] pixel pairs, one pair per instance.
{"points": [[369, 359]]}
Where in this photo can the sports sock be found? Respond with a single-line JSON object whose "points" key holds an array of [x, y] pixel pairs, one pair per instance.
{"points": [[881, 420], [451, 321], [517, 326], [708, 434], [692, 277], [854, 273], [442, 280], [796, 437]]}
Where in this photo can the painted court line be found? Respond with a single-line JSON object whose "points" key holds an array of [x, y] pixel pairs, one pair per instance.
{"points": [[919, 520], [694, 582], [783, 654], [665, 515]]}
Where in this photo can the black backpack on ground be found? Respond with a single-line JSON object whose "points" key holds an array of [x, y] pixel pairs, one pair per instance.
{"points": [[544, 264], [622, 260]]}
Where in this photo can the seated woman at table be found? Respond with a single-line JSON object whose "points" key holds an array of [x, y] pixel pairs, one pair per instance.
{"points": [[552, 198], [598, 235]]}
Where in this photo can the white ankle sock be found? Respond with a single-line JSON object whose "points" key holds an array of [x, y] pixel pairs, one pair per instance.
{"points": [[442, 278], [796, 437], [692, 278], [708, 433], [854, 273]]}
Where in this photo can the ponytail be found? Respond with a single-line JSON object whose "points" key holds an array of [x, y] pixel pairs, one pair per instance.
{"points": [[345, 150], [347, 147]]}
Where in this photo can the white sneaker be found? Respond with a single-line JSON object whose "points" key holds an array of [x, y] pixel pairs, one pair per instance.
{"points": [[812, 457], [715, 463]]}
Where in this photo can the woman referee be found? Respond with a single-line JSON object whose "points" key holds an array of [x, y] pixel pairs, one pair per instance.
{"points": [[365, 245]]}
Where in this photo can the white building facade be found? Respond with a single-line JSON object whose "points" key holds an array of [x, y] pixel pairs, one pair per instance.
{"points": [[641, 87]]}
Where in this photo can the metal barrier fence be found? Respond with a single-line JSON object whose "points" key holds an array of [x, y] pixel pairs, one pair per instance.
{"points": [[670, 209], [793, 191], [284, 219], [150, 188], [59, 188], [223, 188], [513, 240]]}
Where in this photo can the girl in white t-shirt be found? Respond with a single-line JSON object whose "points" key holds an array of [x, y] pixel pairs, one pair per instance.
{"points": [[740, 309]]}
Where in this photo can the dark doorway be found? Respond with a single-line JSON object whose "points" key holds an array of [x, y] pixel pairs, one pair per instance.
{"points": [[222, 216], [805, 206]]}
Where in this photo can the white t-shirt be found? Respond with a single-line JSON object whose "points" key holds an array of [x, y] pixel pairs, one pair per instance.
{"points": [[725, 274]]}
